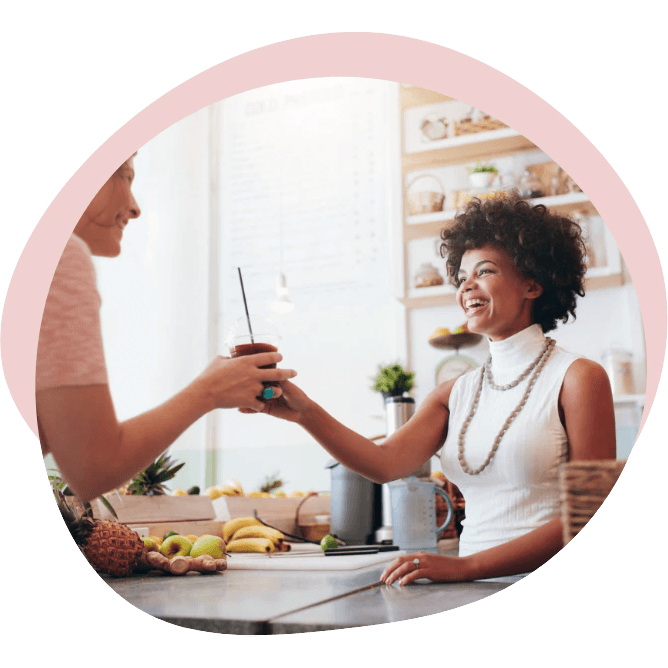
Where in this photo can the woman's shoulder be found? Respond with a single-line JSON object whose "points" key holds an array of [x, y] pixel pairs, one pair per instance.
{"points": [[583, 371]]}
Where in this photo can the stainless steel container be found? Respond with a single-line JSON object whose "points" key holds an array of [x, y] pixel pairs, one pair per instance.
{"points": [[398, 410]]}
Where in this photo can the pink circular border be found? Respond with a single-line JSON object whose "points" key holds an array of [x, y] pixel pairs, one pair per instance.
{"points": [[369, 55]]}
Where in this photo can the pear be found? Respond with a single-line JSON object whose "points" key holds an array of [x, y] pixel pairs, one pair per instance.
{"points": [[211, 545]]}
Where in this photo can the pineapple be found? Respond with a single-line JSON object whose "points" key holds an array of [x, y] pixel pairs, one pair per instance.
{"points": [[109, 546], [271, 483], [150, 481]]}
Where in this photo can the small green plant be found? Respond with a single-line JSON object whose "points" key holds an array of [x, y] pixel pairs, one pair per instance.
{"points": [[393, 380], [483, 168]]}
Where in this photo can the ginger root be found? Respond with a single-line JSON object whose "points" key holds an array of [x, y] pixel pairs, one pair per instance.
{"points": [[183, 565]]}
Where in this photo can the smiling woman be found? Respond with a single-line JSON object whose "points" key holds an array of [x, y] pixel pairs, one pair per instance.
{"points": [[503, 430], [109, 212]]}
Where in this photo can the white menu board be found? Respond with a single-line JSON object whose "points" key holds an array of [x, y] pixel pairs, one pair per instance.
{"points": [[304, 164]]}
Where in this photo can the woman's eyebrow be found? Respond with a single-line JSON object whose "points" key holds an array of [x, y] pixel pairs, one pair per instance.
{"points": [[477, 264]]}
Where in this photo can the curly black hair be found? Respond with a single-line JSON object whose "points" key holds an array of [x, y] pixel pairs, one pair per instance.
{"points": [[544, 246]]}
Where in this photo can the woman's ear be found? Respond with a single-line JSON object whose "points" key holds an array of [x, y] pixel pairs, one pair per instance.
{"points": [[533, 289]]}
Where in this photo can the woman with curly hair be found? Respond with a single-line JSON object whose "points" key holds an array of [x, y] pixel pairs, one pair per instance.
{"points": [[503, 429]]}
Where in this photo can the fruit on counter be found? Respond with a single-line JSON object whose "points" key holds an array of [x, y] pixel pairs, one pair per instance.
{"points": [[232, 526], [256, 493], [191, 537], [194, 490], [280, 494], [170, 533], [251, 545], [157, 540], [181, 565], [214, 546], [109, 546], [235, 485], [176, 546], [275, 536], [212, 492], [228, 490], [151, 481], [179, 492], [149, 544], [296, 493], [328, 543], [440, 331]]}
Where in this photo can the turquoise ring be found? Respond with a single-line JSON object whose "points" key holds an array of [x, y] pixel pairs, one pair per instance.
{"points": [[268, 393]]}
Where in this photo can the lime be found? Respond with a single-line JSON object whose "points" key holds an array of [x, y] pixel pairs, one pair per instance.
{"points": [[328, 543], [168, 534]]}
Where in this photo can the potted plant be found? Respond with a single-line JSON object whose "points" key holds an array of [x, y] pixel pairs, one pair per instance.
{"points": [[482, 176], [393, 381]]}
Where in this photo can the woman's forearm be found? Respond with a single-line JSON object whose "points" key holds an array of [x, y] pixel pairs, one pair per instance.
{"points": [[94, 452], [521, 555]]}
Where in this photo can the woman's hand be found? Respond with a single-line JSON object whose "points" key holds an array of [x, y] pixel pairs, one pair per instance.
{"points": [[237, 382], [435, 567], [288, 404]]}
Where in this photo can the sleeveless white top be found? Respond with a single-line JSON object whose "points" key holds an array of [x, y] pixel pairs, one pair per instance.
{"points": [[518, 491]]}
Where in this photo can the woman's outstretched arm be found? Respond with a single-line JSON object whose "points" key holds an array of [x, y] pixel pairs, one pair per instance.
{"points": [[96, 453], [398, 456]]}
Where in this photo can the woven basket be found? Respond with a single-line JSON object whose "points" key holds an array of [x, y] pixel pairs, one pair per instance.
{"points": [[584, 486], [426, 201], [468, 127]]}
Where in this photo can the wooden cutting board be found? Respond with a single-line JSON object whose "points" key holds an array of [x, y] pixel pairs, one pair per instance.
{"points": [[308, 562]]}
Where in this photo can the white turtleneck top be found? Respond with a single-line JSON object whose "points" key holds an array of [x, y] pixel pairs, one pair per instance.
{"points": [[518, 491]]}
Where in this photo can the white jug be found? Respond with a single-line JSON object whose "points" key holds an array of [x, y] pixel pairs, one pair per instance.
{"points": [[414, 514]]}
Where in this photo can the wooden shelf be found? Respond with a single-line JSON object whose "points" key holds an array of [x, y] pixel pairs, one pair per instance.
{"points": [[605, 281], [470, 147], [463, 149], [431, 224], [412, 96], [429, 301]]}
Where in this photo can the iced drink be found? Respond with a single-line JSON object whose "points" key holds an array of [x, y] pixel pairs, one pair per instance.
{"points": [[242, 349], [264, 339]]}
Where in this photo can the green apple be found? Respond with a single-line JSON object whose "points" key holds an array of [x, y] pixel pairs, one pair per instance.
{"points": [[211, 545], [150, 545], [170, 533], [176, 546]]}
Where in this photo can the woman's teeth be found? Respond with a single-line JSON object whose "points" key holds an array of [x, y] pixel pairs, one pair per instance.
{"points": [[472, 304]]}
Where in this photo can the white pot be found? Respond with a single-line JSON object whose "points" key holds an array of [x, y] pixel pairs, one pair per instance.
{"points": [[481, 179]]}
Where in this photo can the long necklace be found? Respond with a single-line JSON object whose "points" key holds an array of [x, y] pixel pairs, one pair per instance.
{"points": [[538, 364], [522, 376]]}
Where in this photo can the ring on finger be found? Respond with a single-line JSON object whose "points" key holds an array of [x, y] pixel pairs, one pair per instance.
{"points": [[416, 563], [268, 393]]}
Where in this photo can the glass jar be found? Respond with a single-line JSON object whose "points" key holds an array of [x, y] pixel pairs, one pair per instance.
{"points": [[427, 275]]}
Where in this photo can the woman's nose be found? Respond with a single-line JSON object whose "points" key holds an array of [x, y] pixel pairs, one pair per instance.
{"points": [[134, 209]]}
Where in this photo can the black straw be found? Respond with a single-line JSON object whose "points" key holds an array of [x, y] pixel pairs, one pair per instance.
{"points": [[243, 294]]}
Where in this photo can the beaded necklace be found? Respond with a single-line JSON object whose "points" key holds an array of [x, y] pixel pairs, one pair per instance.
{"points": [[486, 370]]}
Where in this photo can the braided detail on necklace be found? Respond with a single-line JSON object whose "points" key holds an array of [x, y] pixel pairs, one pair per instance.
{"points": [[523, 375], [540, 363]]}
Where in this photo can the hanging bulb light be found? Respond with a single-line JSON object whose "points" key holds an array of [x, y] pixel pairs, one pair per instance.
{"points": [[282, 303]]}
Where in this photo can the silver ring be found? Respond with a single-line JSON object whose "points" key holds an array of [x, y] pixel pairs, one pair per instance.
{"points": [[416, 563]]}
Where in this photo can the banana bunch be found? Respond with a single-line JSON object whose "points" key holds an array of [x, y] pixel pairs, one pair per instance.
{"points": [[248, 534]]}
